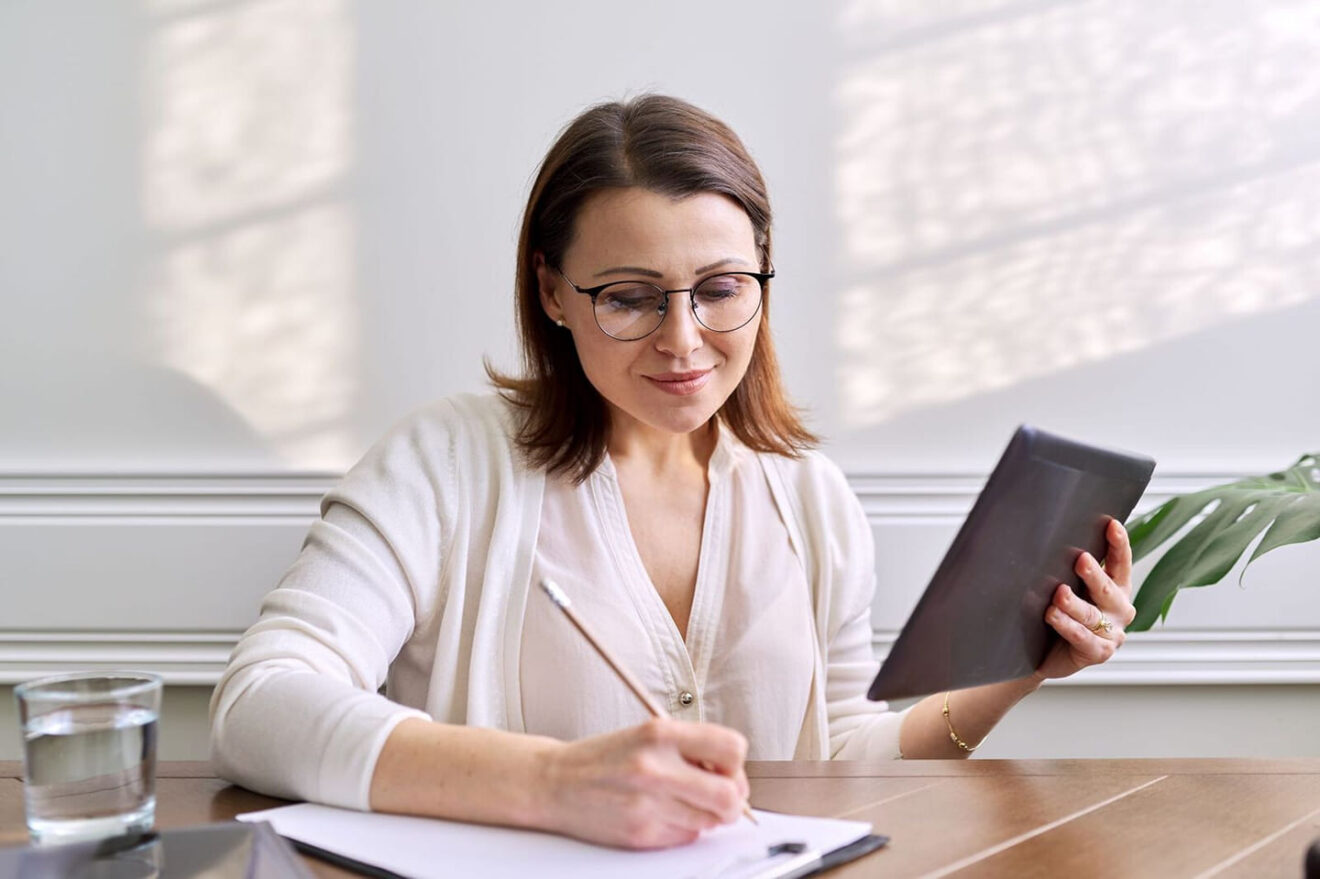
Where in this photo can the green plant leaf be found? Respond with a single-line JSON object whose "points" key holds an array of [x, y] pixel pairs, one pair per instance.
{"points": [[1287, 503], [1166, 520], [1297, 524]]}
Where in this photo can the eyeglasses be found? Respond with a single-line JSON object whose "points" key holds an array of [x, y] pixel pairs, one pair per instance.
{"points": [[632, 310]]}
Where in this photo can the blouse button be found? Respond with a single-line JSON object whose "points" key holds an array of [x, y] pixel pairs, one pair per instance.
{"points": [[685, 698]]}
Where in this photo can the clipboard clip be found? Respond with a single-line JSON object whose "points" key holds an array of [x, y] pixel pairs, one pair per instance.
{"points": [[752, 866]]}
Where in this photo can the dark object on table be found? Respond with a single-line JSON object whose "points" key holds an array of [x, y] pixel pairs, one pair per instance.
{"points": [[218, 851], [1313, 860]]}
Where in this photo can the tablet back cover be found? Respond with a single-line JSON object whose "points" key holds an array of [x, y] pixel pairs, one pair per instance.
{"points": [[981, 618]]}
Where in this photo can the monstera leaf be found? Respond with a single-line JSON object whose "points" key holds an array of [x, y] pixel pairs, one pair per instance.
{"points": [[1287, 503]]}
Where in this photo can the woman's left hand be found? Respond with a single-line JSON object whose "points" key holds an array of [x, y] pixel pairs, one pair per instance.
{"points": [[1092, 632]]}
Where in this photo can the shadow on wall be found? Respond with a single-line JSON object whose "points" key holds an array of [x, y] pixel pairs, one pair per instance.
{"points": [[122, 402], [1031, 187], [1187, 375], [246, 154]]}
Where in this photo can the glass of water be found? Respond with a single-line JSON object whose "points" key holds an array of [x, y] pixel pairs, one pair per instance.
{"points": [[89, 754]]}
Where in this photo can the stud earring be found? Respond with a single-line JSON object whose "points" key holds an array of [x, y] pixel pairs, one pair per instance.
{"points": [[559, 323]]}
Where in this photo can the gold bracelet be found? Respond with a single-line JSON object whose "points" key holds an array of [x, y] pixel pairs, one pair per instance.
{"points": [[953, 736]]}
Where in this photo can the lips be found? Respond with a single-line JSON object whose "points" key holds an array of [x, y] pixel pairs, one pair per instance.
{"points": [[678, 376], [681, 383]]}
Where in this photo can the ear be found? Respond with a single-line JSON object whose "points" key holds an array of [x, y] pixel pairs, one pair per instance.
{"points": [[547, 287]]}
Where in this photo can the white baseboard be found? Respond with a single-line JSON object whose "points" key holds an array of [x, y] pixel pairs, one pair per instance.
{"points": [[1191, 657], [219, 494], [187, 658], [1148, 658], [186, 651]]}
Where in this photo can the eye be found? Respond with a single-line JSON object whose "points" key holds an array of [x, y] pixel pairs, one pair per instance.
{"points": [[630, 297], [722, 288]]}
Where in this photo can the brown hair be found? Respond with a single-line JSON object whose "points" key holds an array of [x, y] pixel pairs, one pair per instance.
{"points": [[671, 147]]}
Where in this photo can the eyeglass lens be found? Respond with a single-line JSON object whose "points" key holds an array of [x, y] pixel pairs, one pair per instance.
{"points": [[633, 309]]}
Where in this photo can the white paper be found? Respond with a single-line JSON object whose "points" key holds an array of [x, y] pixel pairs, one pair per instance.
{"points": [[421, 848]]}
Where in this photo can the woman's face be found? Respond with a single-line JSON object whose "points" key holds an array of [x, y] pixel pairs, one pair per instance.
{"points": [[678, 377]]}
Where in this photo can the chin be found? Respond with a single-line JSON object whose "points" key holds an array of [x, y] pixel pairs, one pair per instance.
{"points": [[685, 425], [687, 416]]}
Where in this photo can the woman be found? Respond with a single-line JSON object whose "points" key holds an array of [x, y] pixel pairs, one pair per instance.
{"points": [[648, 462]]}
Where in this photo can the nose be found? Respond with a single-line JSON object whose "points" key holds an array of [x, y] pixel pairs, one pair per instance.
{"points": [[680, 332]]}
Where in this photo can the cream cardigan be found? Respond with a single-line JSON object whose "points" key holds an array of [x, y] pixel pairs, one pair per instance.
{"points": [[416, 577]]}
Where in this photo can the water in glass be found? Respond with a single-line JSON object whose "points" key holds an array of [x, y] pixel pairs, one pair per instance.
{"points": [[90, 771]]}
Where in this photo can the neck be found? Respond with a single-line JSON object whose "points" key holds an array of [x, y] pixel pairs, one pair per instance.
{"points": [[637, 445]]}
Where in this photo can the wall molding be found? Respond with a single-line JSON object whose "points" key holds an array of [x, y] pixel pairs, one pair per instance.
{"points": [[128, 494], [949, 496], [1177, 658], [197, 657], [1159, 658], [182, 658], [132, 496]]}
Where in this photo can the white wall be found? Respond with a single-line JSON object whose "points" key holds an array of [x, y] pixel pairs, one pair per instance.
{"points": [[241, 238]]}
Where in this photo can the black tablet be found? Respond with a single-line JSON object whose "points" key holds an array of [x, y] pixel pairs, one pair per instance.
{"points": [[228, 850], [982, 617]]}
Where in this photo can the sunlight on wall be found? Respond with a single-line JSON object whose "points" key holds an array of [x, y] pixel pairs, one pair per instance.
{"points": [[247, 149], [1024, 187]]}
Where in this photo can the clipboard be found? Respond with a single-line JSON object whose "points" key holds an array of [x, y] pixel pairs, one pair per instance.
{"points": [[778, 864], [404, 847], [982, 616]]}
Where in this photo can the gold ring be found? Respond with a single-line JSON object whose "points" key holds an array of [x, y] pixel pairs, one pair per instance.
{"points": [[1103, 625]]}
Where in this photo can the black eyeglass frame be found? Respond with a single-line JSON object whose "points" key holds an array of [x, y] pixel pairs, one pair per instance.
{"points": [[762, 279]]}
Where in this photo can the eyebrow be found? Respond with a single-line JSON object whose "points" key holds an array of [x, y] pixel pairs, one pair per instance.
{"points": [[652, 273]]}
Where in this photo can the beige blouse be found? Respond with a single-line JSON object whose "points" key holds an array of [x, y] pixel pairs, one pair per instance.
{"points": [[419, 575], [747, 660]]}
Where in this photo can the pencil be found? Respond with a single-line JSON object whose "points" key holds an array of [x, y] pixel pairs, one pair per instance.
{"points": [[561, 601]]}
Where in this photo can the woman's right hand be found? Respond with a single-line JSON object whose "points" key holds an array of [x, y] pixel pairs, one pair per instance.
{"points": [[645, 786]]}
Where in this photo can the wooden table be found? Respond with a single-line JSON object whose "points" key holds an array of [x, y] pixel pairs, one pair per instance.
{"points": [[1076, 818]]}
